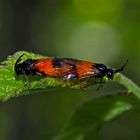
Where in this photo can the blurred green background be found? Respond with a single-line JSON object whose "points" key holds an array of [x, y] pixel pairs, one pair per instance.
{"points": [[101, 31]]}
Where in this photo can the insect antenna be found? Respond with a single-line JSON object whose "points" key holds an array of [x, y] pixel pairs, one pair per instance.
{"points": [[122, 67], [19, 59]]}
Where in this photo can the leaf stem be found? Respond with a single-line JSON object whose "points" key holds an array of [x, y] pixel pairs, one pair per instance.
{"points": [[129, 84]]}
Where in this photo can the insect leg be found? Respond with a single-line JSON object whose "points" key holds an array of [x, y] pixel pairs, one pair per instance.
{"points": [[100, 84], [26, 78], [83, 84], [89, 79]]}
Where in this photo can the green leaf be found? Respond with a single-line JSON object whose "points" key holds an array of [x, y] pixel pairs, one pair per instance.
{"points": [[13, 86], [93, 113], [10, 86]]}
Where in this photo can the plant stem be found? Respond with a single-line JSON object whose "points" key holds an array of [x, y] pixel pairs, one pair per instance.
{"points": [[129, 84]]}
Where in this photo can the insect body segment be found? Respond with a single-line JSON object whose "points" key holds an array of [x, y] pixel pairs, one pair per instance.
{"points": [[53, 67], [85, 69], [25, 67]]}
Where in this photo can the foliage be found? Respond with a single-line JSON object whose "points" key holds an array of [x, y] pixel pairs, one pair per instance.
{"points": [[13, 86], [90, 114]]}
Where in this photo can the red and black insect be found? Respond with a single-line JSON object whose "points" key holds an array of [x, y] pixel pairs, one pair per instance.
{"points": [[86, 69], [52, 67], [65, 68]]}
